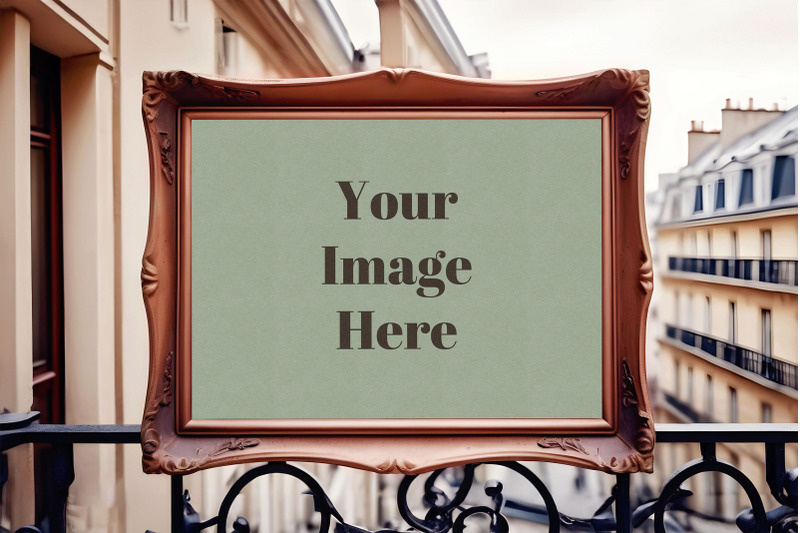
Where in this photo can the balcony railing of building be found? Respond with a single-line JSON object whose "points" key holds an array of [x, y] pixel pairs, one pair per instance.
{"points": [[774, 370], [448, 495], [778, 272]]}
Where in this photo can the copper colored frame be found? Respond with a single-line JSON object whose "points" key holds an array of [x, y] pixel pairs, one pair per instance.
{"points": [[621, 441]]}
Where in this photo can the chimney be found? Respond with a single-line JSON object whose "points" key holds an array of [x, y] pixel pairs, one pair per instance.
{"points": [[737, 123], [697, 126], [699, 139]]}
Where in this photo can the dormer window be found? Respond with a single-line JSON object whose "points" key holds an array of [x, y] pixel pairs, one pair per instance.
{"points": [[746, 187], [698, 199], [719, 195], [783, 177]]}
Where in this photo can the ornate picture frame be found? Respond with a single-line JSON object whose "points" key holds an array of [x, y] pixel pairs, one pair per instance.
{"points": [[620, 440]]}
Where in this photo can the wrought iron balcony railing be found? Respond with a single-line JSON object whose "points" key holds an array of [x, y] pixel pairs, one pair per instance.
{"points": [[449, 510], [780, 272], [775, 370]]}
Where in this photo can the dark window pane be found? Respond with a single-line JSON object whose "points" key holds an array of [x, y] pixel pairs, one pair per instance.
{"points": [[719, 202], [39, 104], [766, 413], [698, 199], [783, 177], [40, 260], [746, 188], [46, 265], [42, 402]]}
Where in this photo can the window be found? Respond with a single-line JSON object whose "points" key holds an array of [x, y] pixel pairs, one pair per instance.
{"points": [[676, 314], [766, 245], [766, 413], [746, 187], [731, 490], [709, 396], [46, 262], [698, 199], [179, 12], [732, 322], [677, 379], [690, 386], [733, 406], [766, 332], [719, 195], [783, 177], [707, 317], [690, 244], [688, 314], [227, 48], [47, 284], [715, 493], [710, 243]]}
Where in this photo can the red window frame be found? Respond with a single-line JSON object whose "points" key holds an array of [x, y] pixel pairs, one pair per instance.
{"points": [[48, 307]]}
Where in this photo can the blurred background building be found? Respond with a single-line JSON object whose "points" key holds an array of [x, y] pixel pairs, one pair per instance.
{"points": [[74, 207], [723, 326]]}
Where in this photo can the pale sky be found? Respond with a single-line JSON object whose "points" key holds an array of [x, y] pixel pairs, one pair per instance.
{"points": [[698, 52]]}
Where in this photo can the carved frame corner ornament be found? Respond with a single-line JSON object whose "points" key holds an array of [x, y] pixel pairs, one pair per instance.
{"points": [[622, 441]]}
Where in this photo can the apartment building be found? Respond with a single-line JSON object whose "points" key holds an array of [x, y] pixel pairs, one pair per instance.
{"points": [[726, 267]]}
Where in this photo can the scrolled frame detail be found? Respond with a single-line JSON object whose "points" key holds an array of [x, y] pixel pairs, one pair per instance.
{"points": [[622, 93]]}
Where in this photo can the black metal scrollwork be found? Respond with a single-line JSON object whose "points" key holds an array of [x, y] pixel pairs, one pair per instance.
{"points": [[322, 503], [448, 511], [440, 516], [756, 519]]}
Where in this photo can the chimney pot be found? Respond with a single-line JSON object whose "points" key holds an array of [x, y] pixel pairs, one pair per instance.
{"points": [[775, 107], [750, 104], [728, 103]]}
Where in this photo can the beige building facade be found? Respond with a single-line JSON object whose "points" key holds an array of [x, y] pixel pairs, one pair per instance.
{"points": [[726, 266], [75, 199]]}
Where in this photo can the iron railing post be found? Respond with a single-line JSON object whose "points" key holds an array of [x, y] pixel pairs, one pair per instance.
{"points": [[775, 463], [623, 504], [63, 474], [176, 503]]}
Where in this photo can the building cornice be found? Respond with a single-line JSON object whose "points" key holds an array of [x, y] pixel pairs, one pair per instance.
{"points": [[274, 34], [735, 282], [77, 36], [732, 218]]}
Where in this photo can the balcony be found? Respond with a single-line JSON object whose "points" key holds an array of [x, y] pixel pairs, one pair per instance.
{"points": [[774, 370], [781, 272], [444, 501]]}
